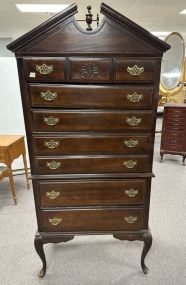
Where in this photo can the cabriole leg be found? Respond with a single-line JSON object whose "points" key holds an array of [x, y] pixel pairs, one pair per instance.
{"points": [[161, 154], [147, 238], [38, 243], [184, 159]]}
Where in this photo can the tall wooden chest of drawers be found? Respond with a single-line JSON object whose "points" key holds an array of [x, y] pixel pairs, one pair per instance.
{"points": [[89, 101], [173, 139]]}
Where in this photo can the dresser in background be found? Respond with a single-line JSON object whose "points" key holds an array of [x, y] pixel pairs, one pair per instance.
{"points": [[173, 139], [89, 101]]}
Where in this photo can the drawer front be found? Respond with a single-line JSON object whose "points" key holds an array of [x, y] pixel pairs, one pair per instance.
{"points": [[92, 120], [51, 145], [174, 141], [93, 220], [174, 147], [44, 69], [92, 193], [175, 112], [176, 126], [175, 118], [82, 96], [89, 70], [135, 70], [92, 164], [172, 144], [173, 134]]}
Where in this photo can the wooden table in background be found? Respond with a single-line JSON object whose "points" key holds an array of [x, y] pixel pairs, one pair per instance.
{"points": [[11, 147]]}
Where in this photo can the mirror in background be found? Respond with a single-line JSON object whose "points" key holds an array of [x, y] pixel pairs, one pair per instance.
{"points": [[172, 71]]}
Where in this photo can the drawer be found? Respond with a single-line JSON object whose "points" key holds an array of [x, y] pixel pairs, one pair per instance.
{"points": [[175, 112], [92, 193], [94, 96], [173, 147], [92, 220], [135, 70], [173, 134], [92, 164], [175, 119], [174, 141], [89, 69], [44, 69], [71, 121], [66, 144], [175, 126]]}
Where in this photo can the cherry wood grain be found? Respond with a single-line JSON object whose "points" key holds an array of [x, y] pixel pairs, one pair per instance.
{"points": [[173, 140], [88, 144], [33, 75], [93, 220], [98, 96], [93, 164], [92, 192], [91, 121]]}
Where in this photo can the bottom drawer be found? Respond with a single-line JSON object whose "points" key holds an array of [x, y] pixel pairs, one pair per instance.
{"points": [[172, 147], [71, 220]]}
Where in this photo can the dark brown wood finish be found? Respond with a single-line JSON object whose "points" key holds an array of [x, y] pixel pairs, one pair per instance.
{"points": [[91, 192], [92, 164], [146, 74], [99, 96], [89, 144], [92, 121], [35, 69], [93, 220], [173, 140], [89, 102]]}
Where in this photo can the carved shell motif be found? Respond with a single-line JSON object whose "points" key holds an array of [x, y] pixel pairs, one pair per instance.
{"points": [[89, 70]]}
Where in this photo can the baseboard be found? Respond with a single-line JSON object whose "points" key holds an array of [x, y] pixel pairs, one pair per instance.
{"points": [[20, 171]]}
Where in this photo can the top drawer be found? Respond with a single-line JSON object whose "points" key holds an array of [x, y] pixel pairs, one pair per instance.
{"points": [[90, 70], [135, 70], [44, 70]]}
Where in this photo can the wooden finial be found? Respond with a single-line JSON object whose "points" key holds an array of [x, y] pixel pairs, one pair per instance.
{"points": [[89, 18]]}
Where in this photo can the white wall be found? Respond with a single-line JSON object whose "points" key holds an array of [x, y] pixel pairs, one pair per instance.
{"points": [[11, 114]]}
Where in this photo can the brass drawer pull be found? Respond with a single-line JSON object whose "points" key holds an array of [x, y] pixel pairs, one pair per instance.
{"points": [[130, 163], [133, 121], [51, 121], [135, 70], [53, 195], [131, 219], [131, 192], [55, 221], [131, 143], [51, 144], [44, 68], [135, 97], [53, 165], [48, 95]]}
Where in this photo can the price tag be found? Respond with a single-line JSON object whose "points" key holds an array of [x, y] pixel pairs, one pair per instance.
{"points": [[32, 74]]}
